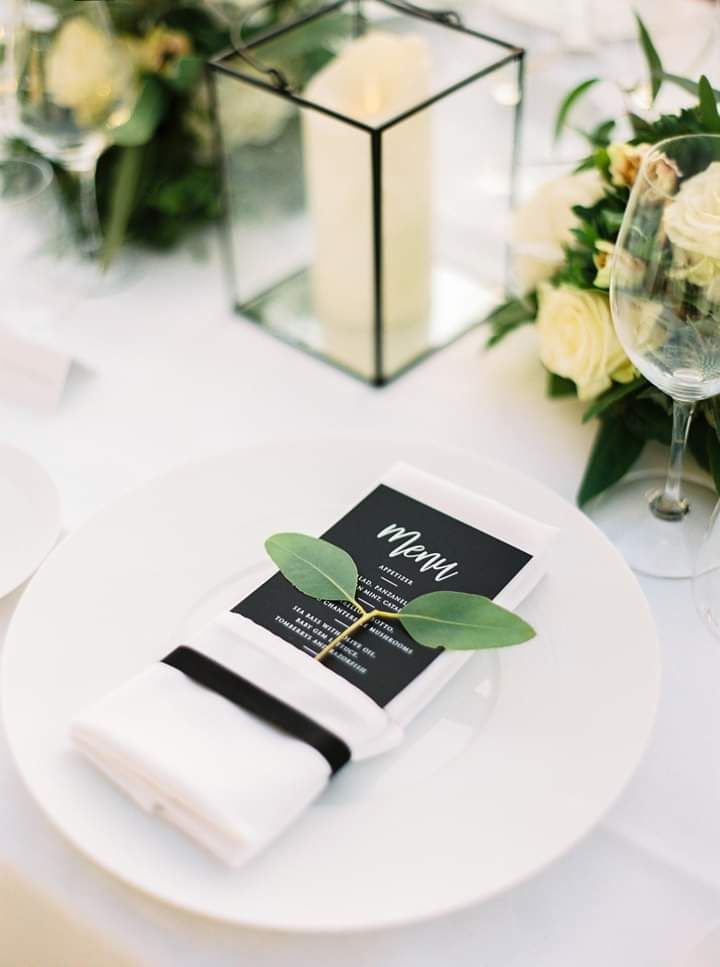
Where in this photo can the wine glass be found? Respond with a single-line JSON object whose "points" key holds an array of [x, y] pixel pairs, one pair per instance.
{"points": [[665, 301], [9, 26], [28, 209], [75, 84]]}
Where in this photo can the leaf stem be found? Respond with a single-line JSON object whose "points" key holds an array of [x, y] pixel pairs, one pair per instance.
{"points": [[351, 629]]}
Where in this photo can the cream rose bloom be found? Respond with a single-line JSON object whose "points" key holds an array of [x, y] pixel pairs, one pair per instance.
{"points": [[578, 341], [692, 219], [692, 223], [542, 226], [84, 70]]}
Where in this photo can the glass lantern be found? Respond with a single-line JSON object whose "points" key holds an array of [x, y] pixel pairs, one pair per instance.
{"points": [[369, 152]]}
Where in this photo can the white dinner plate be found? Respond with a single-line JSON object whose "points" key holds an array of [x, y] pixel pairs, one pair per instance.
{"points": [[515, 761], [29, 517]]}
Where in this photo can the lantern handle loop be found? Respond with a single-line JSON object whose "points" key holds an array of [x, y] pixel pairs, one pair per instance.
{"points": [[450, 17], [242, 50], [279, 79]]}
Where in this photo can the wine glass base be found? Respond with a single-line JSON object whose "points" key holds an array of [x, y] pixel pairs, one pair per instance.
{"points": [[650, 545], [706, 581], [86, 278]]}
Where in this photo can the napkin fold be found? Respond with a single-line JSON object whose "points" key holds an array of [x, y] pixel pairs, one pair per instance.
{"points": [[232, 781]]}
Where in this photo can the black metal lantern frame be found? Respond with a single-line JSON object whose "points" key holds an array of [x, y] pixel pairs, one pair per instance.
{"points": [[266, 188]]}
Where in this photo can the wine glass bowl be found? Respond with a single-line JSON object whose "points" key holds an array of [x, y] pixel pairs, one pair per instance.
{"points": [[665, 282], [74, 80], [665, 303]]}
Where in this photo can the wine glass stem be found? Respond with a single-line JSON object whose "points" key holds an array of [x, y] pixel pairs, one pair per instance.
{"points": [[669, 505], [92, 239]]}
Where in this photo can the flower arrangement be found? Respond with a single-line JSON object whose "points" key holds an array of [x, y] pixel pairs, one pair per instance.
{"points": [[566, 294], [158, 180]]}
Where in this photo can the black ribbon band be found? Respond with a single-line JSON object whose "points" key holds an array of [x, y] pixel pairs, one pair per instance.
{"points": [[221, 680]]}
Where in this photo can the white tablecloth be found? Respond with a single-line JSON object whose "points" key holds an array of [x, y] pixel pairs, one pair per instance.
{"points": [[166, 374], [165, 379]]}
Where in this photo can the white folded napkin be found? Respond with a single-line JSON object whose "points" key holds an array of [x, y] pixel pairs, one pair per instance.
{"points": [[234, 782]]}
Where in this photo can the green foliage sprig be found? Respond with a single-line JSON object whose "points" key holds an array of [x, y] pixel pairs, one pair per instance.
{"points": [[635, 413], [440, 619]]}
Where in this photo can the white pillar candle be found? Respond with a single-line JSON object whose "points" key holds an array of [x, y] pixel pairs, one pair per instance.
{"points": [[373, 79]]}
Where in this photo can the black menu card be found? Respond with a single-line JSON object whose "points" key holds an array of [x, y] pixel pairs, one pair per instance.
{"points": [[403, 548]]}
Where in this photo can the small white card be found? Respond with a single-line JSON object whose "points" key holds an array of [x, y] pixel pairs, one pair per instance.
{"points": [[31, 374]]}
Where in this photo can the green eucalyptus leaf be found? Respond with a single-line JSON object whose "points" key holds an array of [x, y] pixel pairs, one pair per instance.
{"points": [[568, 101], [652, 57], [316, 567], [462, 622], [707, 110]]}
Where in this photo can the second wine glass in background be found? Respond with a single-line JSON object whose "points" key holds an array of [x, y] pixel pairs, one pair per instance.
{"points": [[75, 84]]}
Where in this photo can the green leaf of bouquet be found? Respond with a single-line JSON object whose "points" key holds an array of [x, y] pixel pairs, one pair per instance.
{"points": [[652, 57], [462, 622], [614, 451], [707, 109], [185, 72], [617, 392], [692, 87], [585, 165], [315, 567], [713, 454], [711, 410], [147, 114], [509, 316], [122, 200], [601, 136], [568, 101], [649, 421], [698, 443], [558, 386]]}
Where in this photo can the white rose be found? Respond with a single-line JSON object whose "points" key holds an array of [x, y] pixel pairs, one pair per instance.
{"points": [[542, 226], [692, 223], [578, 341], [85, 71], [625, 161], [250, 115], [692, 219]]}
